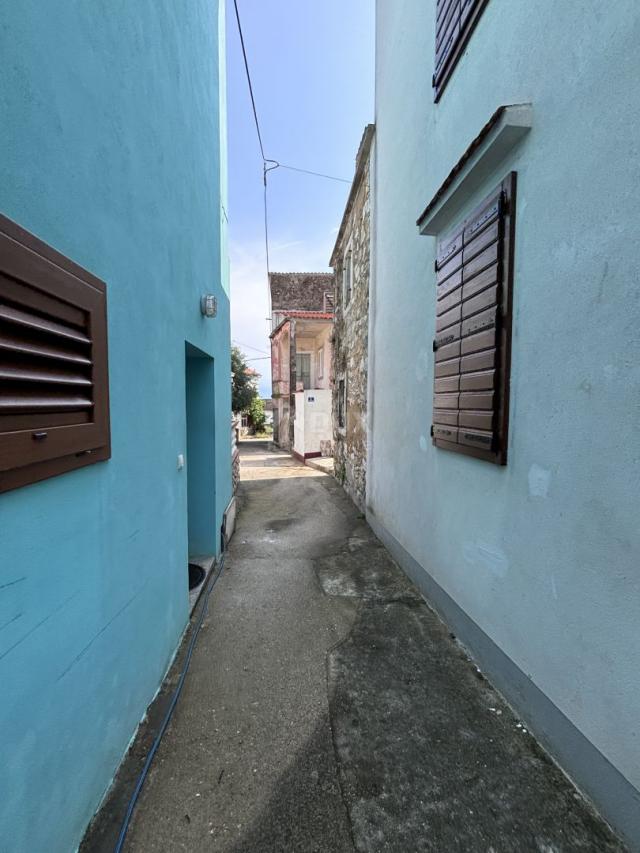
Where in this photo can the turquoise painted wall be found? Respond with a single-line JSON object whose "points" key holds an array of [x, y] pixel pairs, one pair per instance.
{"points": [[112, 151], [543, 555]]}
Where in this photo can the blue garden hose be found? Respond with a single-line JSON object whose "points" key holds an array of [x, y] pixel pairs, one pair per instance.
{"points": [[174, 701]]}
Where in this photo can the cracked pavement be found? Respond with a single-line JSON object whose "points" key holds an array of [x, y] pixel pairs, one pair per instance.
{"points": [[328, 709]]}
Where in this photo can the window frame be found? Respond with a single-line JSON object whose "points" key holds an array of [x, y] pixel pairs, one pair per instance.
{"points": [[458, 44], [299, 374], [347, 267], [36, 277], [505, 191], [320, 363], [341, 423]]}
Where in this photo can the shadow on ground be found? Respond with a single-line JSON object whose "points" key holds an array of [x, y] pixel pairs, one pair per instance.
{"points": [[430, 757]]}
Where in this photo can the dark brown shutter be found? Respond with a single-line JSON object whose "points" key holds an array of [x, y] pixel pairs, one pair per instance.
{"points": [[455, 20], [472, 345], [54, 400]]}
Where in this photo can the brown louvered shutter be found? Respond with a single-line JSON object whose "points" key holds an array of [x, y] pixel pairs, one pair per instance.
{"points": [[54, 396], [455, 20], [472, 346]]}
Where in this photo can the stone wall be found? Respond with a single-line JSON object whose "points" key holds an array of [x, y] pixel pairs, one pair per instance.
{"points": [[351, 336]]}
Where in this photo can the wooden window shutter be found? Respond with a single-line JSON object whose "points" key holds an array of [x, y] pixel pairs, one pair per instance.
{"points": [[472, 346], [54, 388], [455, 21]]}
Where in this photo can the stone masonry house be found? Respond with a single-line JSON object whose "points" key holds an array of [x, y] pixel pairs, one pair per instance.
{"points": [[301, 322], [350, 262]]}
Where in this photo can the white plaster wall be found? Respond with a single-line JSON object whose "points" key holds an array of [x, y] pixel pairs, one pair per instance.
{"points": [[543, 555], [299, 424], [313, 420]]}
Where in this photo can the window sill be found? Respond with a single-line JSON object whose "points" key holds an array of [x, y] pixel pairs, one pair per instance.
{"points": [[503, 131]]}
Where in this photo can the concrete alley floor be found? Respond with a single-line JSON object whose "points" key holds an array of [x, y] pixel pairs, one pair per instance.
{"points": [[328, 709]]}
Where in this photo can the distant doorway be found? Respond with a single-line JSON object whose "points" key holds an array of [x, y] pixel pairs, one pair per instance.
{"points": [[200, 463]]}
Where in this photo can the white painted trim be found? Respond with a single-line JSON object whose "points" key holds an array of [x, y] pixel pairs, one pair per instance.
{"points": [[515, 122]]}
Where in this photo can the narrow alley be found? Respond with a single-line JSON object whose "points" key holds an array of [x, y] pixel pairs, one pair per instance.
{"points": [[328, 709]]}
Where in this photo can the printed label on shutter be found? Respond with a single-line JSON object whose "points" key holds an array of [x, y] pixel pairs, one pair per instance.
{"points": [[448, 335], [482, 321], [482, 219], [476, 439], [448, 247], [482, 241], [445, 433]]}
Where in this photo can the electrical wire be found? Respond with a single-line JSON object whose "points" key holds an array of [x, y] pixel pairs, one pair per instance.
{"points": [[274, 164], [174, 700], [248, 346], [246, 68], [316, 174]]}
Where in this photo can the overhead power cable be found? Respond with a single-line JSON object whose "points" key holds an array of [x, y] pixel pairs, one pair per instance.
{"points": [[269, 165], [317, 174], [246, 68], [248, 346]]}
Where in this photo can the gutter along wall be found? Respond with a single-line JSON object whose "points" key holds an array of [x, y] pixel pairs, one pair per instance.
{"points": [[112, 152], [533, 563]]}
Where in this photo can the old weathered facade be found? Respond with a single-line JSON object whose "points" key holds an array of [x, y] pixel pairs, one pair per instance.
{"points": [[301, 321], [350, 262]]}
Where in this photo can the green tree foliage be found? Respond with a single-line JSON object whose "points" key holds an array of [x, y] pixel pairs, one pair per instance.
{"points": [[257, 415], [243, 384]]}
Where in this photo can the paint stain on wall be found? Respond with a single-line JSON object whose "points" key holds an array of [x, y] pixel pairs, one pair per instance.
{"points": [[486, 556], [423, 365], [539, 481]]}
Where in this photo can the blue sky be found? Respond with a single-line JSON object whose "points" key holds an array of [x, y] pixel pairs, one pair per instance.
{"points": [[311, 63]]}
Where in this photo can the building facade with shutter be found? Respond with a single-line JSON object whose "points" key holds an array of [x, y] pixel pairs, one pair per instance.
{"points": [[504, 353], [301, 358], [115, 462]]}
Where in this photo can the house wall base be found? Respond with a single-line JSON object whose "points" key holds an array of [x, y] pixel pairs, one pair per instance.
{"points": [[613, 795]]}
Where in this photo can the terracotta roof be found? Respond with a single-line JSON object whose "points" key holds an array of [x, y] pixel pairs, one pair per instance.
{"points": [[303, 291], [314, 315], [300, 315]]}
